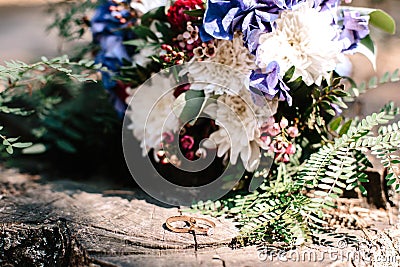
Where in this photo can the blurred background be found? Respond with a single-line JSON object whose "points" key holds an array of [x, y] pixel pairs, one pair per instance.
{"points": [[89, 130], [76, 122]]}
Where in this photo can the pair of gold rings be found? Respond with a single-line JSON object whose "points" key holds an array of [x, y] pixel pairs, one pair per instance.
{"points": [[192, 224]]}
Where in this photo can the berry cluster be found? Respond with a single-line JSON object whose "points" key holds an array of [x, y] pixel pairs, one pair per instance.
{"points": [[171, 56], [279, 137]]}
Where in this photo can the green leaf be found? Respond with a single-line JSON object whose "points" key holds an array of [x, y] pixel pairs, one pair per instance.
{"points": [[320, 193], [189, 105], [195, 12], [289, 74], [9, 150], [66, 146], [327, 107], [373, 82], [154, 14], [368, 43], [136, 42], [363, 190], [22, 145], [334, 125], [383, 21], [35, 149], [144, 33], [371, 56], [345, 128], [166, 32], [391, 181], [11, 140]]}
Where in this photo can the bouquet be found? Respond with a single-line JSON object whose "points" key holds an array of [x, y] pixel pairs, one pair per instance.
{"points": [[258, 87]]}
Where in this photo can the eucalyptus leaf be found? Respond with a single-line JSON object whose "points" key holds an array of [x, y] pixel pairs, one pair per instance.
{"points": [[368, 43], [189, 105], [383, 21]]}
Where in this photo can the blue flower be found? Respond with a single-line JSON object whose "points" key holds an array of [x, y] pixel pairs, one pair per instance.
{"points": [[110, 28], [252, 17], [355, 28], [269, 84]]}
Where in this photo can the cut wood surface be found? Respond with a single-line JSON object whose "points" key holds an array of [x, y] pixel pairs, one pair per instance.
{"points": [[66, 223]]}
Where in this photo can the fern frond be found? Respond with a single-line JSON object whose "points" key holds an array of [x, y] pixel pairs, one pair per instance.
{"points": [[356, 90], [334, 168]]}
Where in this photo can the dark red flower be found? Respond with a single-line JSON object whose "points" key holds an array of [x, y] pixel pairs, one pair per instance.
{"points": [[187, 142], [181, 89], [120, 90], [190, 155], [176, 15]]}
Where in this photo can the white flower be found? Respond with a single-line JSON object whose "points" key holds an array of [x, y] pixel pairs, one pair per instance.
{"points": [[145, 6], [239, 133], [303, 38], [143, 57], [150, 110], [230, 73]]}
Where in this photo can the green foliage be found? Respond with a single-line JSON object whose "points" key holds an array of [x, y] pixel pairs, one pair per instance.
{"points": [[74, 128], [377, 17], [68, 116], [356, 90], [292, 200], [11, 143], [383, 21], [189, 105], [195, 12], [70, 18], [274, 212], [335, 168], [17, 73], [17, 77]]}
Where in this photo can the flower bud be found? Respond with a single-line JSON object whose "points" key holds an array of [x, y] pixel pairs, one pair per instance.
{"points": [[168, 137], [293, 131], [187, 142], [291, 149], [284, 123], [201, 153]]}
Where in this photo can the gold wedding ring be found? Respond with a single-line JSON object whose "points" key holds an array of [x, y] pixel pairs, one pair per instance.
{"points": [[193, 224]]}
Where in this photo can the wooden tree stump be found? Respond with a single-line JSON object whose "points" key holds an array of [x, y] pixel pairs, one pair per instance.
{"points": [[66, 223]]}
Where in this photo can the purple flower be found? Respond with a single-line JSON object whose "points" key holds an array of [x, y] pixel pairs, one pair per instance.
{"points": [[269, 84], [325, 5], [329, 6], [355, 28], [337, 109], [223, 17]]}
